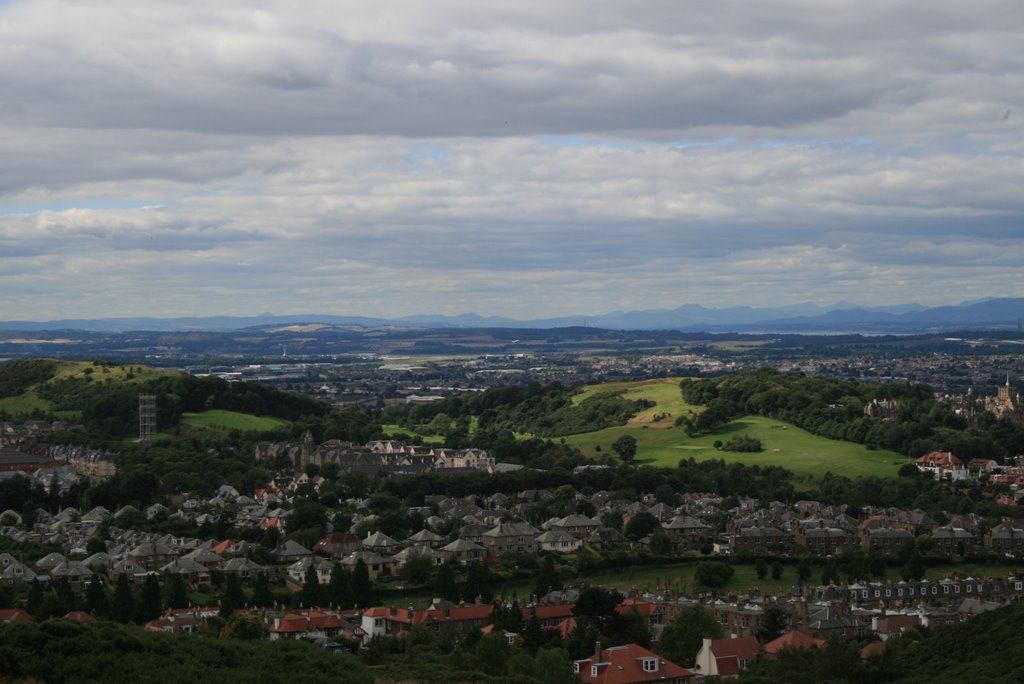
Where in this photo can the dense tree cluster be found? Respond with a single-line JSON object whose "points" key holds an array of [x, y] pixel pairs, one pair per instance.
{"points": [[989, 648], [18, 376], [743, 443], [835, 409], [542, 410], [108, 652]]}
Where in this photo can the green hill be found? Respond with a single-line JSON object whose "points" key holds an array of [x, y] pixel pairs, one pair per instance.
{"points": [[28, 385], [660, 442], [104, 397], [218, 419]]}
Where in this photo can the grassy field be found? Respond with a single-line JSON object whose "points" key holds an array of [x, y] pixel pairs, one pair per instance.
{"points": [[26, 403], [218, 419], [661, 443], [390, 430], [663, 391]]}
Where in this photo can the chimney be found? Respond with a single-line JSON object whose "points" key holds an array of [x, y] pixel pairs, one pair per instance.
{"points": [[597, 652]]}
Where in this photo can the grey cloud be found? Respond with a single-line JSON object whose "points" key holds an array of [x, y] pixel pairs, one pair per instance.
{"points": [[454, 69], [410, 157]]}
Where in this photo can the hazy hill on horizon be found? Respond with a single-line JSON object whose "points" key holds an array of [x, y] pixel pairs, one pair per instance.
{"points": [[992, 313]]}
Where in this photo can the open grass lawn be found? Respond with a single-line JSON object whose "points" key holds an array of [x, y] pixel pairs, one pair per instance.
{"points": [[660, 443], [805, 454], [26, 403], [218, 419], [663, 391], [392, 429]]}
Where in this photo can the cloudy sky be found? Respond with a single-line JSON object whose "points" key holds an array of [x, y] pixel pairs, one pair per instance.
{"points": [[506, 157]]}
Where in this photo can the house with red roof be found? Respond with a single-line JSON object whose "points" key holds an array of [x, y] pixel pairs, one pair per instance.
{"points": [[726, 657], [175, 624], [15, 615], [875, 648], [223, 547], [298, 624], [80, 616], [384, 620], [943, 465], [550, 615], [627, 664], [650, 610], [889, 626], [793, 639]]}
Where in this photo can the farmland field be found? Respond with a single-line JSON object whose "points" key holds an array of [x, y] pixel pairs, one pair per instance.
{"points": [[662, 444], [231, 420]]}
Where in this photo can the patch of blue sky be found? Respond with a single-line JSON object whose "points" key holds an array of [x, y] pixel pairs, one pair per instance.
{"points": [[689, 144], [101, 204], [427, 156], [561, 141], [771, 143]]}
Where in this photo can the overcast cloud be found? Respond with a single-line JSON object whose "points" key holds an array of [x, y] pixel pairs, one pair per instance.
{"points": [[517, 158]]}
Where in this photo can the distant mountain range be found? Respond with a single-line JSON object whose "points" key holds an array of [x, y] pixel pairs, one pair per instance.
{"points": [[846, 317]]}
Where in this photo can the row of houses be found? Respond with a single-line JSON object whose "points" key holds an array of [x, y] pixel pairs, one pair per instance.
{"points": [[382, 457]]}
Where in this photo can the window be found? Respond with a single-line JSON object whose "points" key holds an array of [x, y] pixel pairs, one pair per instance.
{"points": [[650, 665]]}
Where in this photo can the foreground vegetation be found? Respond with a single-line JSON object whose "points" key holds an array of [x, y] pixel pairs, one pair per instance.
{"points": [[69, 652], [988, 648]]}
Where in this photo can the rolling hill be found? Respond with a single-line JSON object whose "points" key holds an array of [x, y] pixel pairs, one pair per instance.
{"points": [[660, 443]]}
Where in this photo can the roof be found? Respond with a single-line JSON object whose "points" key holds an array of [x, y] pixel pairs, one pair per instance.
{"points": [[543, 612], [744, 648], [944, 459], [408, 616], [623, 664], [639, 605], [793, 639], [15, 615], [897, 623], [222, 547], [379, 540], [79, 616], [307, 621]]}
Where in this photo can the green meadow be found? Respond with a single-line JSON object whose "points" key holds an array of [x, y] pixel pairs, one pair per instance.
{"points": [[391, 430], [660, 443], [218, 419]]}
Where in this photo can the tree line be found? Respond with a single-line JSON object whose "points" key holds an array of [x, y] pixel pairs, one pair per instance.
{"points": [[835, 409]]}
